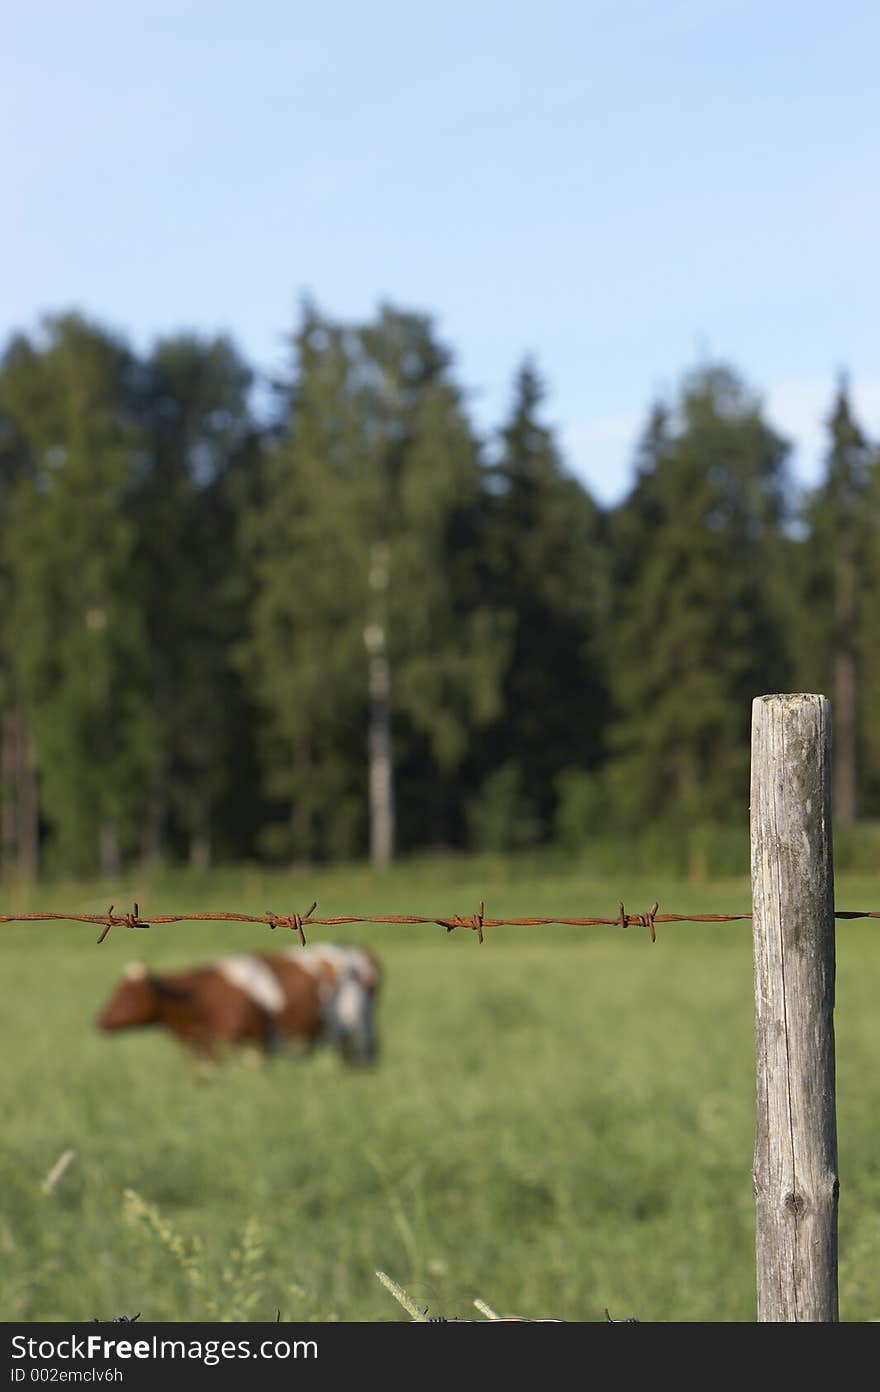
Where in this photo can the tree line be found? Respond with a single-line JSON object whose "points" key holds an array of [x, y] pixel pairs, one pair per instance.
{"points": [[346, 624]]}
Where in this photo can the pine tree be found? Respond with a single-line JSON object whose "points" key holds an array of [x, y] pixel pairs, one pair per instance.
{"points": [[199, 466], [868, 649], [19, 830], [77, 650], [835, 628], [695, 631], [549, 576]]}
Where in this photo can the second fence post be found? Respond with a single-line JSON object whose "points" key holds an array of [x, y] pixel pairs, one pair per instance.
{"points": [[795, 1174]]}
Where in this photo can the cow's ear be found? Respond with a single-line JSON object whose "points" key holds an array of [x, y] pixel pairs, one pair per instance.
{"points": [[168, 990]]}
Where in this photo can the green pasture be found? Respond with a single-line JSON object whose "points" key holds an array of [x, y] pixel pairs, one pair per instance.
{"points": [[561, 1120]]}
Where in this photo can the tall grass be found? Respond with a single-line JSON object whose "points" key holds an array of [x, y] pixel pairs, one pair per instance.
{"points": [[561, 1120]]}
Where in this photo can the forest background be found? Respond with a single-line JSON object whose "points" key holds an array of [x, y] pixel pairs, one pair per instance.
{"points": [[348, 623]]}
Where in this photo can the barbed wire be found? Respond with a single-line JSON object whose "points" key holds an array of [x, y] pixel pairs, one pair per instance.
{"points": [[476, 922]]}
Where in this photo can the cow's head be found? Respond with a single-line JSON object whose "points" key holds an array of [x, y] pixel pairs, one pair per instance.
{"points": [[138, 999]]}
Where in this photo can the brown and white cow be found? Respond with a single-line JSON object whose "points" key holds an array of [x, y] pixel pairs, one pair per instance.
{"points": [[324, 993]]}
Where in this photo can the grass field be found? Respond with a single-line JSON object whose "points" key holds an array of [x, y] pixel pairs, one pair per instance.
{"points": [[561, 1120]]}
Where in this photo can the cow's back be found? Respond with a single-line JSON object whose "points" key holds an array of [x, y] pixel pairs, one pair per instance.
{"points": [[209, 1005]]}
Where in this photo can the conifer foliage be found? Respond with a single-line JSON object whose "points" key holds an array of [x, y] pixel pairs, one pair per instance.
{"points": [[349, 625]]}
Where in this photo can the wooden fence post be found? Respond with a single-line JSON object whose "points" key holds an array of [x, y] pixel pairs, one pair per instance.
{"points": [[795, 1174]]}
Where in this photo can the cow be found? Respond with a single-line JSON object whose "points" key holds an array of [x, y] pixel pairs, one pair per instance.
{"points": [[320, 994]]}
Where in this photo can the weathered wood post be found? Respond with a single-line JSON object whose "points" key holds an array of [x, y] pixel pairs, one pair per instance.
{"points": [[795, 1174]]}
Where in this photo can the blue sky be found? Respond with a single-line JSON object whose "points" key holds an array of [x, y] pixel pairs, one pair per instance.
{"points": [[623, 190]]}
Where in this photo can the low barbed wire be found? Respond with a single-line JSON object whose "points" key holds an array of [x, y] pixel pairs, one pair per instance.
{"points": [[476, 922]]}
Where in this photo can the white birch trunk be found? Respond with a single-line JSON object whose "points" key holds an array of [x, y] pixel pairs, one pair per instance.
{"points": [[379, 753]]}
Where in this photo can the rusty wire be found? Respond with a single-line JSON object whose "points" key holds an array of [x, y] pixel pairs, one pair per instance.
{"points": [[296, 922]]}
